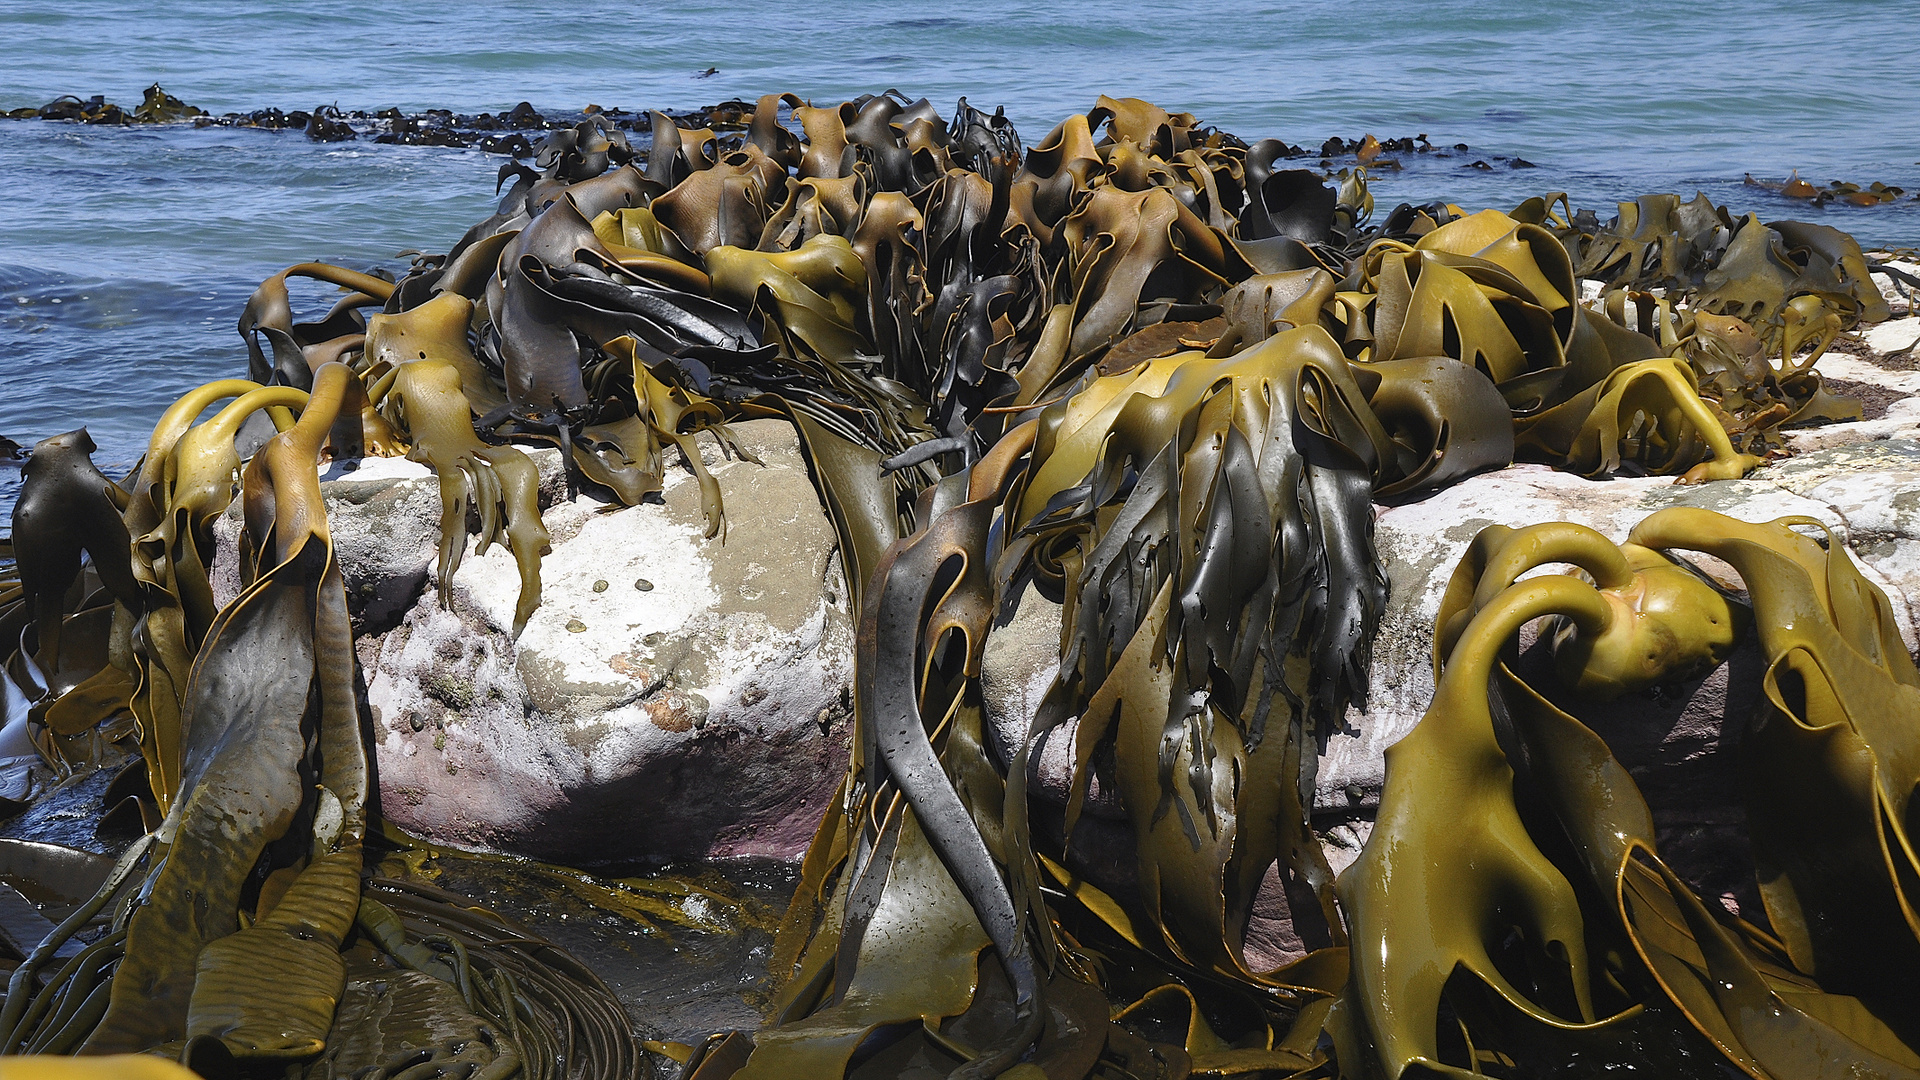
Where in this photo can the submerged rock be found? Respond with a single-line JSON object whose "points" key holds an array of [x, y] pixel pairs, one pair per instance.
{"points": [[701, 694]]}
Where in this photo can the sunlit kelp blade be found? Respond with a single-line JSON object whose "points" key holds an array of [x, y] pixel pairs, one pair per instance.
{"points": [[1819, 993]]}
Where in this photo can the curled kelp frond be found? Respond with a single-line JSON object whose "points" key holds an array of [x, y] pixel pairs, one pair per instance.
{"points": [[1648, 412], [1582, 944], [191, 970], [299, 349]]}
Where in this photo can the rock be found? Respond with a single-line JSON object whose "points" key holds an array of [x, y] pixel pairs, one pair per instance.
{"points": [[384, 516], [695, 707]]}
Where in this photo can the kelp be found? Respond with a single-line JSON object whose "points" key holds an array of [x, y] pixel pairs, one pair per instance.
{"points": [[1140, 371], [1584, 938], [231, 948]]}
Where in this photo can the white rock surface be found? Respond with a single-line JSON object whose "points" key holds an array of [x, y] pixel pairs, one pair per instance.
{"points": [[695, 705]]}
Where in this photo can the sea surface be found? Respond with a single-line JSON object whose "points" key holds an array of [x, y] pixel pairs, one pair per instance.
{"points": [[127, 254]]}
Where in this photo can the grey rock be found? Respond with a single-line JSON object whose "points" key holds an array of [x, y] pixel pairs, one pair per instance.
{"points": [[384, 516]]}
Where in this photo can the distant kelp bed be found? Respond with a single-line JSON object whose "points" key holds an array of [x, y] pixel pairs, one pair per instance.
{"points": [[1141, 369], [513, 131]]}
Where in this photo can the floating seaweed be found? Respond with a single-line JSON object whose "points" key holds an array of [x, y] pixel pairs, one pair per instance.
{"points": [[156, 107], [1844, 191], [1139, 369]]}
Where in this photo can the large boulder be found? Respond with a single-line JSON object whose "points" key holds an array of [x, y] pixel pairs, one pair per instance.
{"points": [[674, 696]]}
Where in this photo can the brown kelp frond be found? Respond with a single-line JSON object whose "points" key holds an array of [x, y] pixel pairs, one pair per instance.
{"points": [[187, 481], [919, 856], [232, 953], [1208, 522], [1279, 435], [269, 314], [270, 741], [1585, 943], [1648, 412], [1721, 263], [435, 330], [499, 482], [65, 659]]}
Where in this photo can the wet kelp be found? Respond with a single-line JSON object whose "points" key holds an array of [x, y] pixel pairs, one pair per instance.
{"points": [[237, 929], [1541, 900], [1142, 370]]}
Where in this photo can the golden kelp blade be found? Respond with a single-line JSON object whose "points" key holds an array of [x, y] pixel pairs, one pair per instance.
{"points": [[239, 762], [426, 401], [1825, 998], [109, 1067]]}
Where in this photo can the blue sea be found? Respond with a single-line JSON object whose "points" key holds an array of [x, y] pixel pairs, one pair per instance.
{"points": [[126, 254]]}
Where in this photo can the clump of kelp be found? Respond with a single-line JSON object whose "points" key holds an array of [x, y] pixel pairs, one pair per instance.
{"points": [[156, 107], [1539, 908], [1138, 369], [1842, 191]]}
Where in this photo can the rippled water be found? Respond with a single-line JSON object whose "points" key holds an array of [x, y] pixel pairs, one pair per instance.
{"points": [[125, 255]]}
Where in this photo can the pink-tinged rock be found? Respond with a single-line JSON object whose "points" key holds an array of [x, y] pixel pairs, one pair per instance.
{"points": [[694, 706]]}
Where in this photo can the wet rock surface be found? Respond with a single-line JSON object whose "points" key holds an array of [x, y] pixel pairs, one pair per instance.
{"points": [[686, 949]]}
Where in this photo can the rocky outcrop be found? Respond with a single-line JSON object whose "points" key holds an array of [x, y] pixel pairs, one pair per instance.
{"points": [[674, 697], [683, 697]]}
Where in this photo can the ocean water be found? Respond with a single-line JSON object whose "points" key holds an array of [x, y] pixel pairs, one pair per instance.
{"points": [[126, 254]]}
